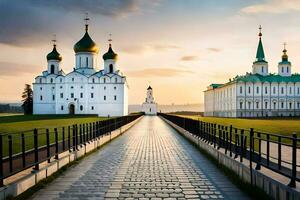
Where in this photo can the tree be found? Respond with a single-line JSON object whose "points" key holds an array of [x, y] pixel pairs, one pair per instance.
{"points": [[27, 99]]}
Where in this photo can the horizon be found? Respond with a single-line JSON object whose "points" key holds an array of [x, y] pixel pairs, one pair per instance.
{"points": [[172, 46]]}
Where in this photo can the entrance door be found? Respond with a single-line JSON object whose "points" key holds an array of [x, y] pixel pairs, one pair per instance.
{"points": [[71, 109]]}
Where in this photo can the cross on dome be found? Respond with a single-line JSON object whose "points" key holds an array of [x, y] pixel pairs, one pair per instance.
{"points": [[260, 34], [54, 40], [110, 40], [86, 19]]}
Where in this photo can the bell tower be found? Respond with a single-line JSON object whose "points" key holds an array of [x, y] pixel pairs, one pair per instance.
{"points": [[260, 65], [54, 59], [285, 66]]}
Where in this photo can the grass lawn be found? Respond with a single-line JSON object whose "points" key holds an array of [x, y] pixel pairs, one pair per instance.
{"points": [[17, 124], [285, 126]]}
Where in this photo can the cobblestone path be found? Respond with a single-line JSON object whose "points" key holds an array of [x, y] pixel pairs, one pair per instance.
{"points": [[150, 161]]}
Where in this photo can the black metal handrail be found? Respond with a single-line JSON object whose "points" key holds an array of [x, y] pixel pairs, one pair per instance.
{"points": [[247, 143], [28, 149]]}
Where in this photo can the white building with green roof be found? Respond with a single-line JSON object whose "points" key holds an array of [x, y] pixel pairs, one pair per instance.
{"points": [[256, 94], [87, 89]]}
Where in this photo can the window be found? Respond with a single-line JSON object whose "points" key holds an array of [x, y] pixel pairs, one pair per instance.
{"points": [[72, 95], [282, 104], [61, 95], [274, 105], [53, 97], [104, 80], [60, 79], [104, 87], [266, 105], [257, 90], [115, 88], [249, 90], [72, 79], [257, 105], [115, 97], [282, 90], [52, 69], [262, 69], [241, 105], [92, 95], [274, 90], [40, 80], [81, 95], [92, 87], [266, 90], [62, 108], [111, 68], [41, 98], [93, 80], [51, 80], [79, 61], [61, 87], [92, 108], [290, 90], [81, 107], [287, 69], [116, 80], [41, 88], [104, 98], [87, 61], [290, 105], [282, 69], [241, 90], [298, 105]]}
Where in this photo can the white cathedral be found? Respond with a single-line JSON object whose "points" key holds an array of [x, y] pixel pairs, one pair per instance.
{"points": [[257, 94], [85, 90], [149, 107]]}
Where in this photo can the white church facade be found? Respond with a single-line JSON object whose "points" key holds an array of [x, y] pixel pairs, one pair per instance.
{"points": [[256, 94], [149, 107], [85, 90]]}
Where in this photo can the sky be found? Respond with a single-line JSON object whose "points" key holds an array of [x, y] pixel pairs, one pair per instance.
{"points": [[177, 46]]}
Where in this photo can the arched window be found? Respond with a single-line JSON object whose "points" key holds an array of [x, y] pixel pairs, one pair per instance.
{"points": [[282, 90], [79, 61], [257, 90], [81, 108], [52, 68], [87, 61], [51, 80], [111, 68], [241, 105]]}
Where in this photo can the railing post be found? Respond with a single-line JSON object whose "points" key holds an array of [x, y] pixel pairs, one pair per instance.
{"points": [[69, 138], [226, 139], [215, 136], [56, 143], [1, 161], [63, 139], [242, 146], [76, 136], [220, 135], [230, 140], [251, 152], [48, 144], [73, 138], [23, 150], [258, 164], [268, 149], [80, 134], [294, 162], [91, 131], [10, 152], [279, 152], [36, 149], [236, 143]]}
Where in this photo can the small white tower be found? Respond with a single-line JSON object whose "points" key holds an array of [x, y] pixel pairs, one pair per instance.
{"points": [[149, 107], [284, 67], [54, 59], [260, 65], [110, 59]]}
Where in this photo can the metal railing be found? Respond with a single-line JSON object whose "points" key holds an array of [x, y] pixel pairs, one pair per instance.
{"points": [[20, 151], [273, 151]]}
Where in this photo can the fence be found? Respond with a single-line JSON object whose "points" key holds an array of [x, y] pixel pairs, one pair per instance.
{"points": [[262, 149], [20, 151]]}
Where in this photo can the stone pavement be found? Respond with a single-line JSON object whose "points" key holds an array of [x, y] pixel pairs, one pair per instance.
{"points": [[150, 161]]}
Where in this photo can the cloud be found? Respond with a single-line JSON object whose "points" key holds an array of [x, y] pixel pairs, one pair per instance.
{"points": [[189, 58], [28, 21], [273, 7], [214, 49], [140, 49], [15, 69], [157, 72]]}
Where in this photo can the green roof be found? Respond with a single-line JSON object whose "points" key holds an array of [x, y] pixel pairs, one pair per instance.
{"points": [[86, 44], [260, 54], [110, 54], [269, 78], [54, 55]]}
